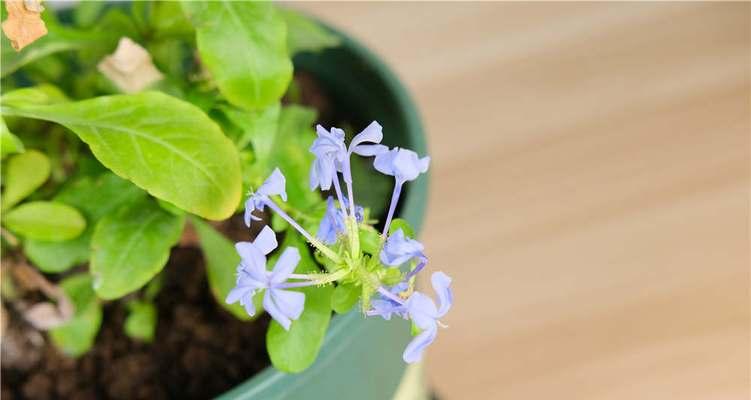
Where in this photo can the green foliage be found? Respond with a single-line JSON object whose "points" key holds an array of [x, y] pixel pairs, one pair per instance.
{"points": [[345, 297], [304, 34], [132, 245], [45, 220], [57, 40], [244, 47], [404, 225], [294, 350], [9, 143], [77, 335], [256, 127], [221, 266], [164, 145], [370, 240], [24, 173], [289, 152], [95, 197], [140, 324]]}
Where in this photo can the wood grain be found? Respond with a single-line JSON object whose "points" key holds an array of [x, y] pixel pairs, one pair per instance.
{"points": [[590, 191]]}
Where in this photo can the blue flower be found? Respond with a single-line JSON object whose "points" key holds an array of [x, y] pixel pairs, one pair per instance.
{"points": [[399, 249], [252, 276], [330, 153], [274, 185], [424, 314], [402, 164], [387, 305], [333, 223], [372, 133], [419, 308]]}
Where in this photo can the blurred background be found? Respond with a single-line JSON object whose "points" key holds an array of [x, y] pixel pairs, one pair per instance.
{"points": [[589, 191]]}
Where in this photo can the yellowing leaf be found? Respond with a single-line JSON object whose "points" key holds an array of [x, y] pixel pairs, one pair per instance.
{"points": [[24, 24]]}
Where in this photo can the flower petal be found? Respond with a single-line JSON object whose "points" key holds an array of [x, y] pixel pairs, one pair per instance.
{"points": [[285, 265], [291, 303], [250, 254], [247, 303], [266, 240], [424, 164], [417, 346], [441, 283], [235, 294], [274, 184], [274, 311], [384, 162], [422, 310], [369, 150], [372, 133]]}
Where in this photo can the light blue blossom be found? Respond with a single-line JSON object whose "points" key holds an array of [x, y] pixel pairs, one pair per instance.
{"points": [[399, 249], [332, 223], [252, 276], [404, 165], [419, 308], [424, 314], [330, 153], [373, 134], [387, 304], [274, 185]]}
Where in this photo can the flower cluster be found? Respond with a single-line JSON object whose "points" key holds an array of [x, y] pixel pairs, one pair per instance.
{"points": [[338, 239]]}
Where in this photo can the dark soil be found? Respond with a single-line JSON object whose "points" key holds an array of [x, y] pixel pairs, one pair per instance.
{"points": [[199, 351]]}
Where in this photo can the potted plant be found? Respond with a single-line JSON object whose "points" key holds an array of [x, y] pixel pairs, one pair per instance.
{"points": [[127, 130]]}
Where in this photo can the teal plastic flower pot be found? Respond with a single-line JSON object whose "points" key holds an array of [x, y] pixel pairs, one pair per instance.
{"points": [[360, 358]]}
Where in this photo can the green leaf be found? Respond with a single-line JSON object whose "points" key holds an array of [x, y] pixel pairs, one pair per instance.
{"points": [[221, 266], [164, 145], [99, 196], [44, 220], [140, 324], [305, 34], [9, 143], [95, 197], [398, 223], [86, 13], [57, 40], [24, 173], [290, 153], [294, 350], [345, 297], [132, 245], [257, 127], [244, 47], [370, 240], [54, 257], [77, 336], [40, 95], [169, 20]]}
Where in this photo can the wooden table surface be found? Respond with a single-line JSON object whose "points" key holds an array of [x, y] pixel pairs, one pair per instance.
{"points": [[589, 192]]}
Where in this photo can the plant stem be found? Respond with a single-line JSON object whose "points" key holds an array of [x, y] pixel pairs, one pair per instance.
{"points": [[392, 207], [338, 190], [315, 242], [315, 279], [385, 293]]}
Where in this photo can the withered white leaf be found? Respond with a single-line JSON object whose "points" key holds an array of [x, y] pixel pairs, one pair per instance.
{"points": [[130, 67], [45, 316], [24, 24]]}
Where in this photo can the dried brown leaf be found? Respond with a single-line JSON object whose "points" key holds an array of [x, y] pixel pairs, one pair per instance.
{"points": [[130, 67], [45, 316], [24, 24]]}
